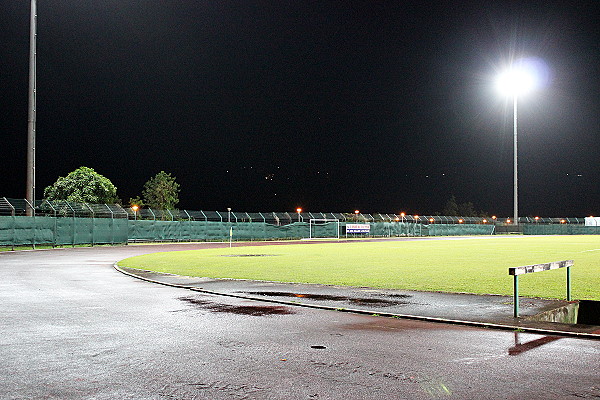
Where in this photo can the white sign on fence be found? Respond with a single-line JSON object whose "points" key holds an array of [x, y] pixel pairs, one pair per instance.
{"points": [[592, 221], [358, 228]]}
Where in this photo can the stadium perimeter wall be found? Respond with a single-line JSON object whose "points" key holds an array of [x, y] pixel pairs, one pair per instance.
{"points": [[57, 231], [562, 229]]}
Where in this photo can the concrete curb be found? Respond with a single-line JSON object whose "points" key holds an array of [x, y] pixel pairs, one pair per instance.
{"points": [[580, 335]]}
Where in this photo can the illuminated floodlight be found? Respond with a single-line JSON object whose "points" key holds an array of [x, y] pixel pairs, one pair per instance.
{"points": [[515, 82], [523, 76], [485, 221]]}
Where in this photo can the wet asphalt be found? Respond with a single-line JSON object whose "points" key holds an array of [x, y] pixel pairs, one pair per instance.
{"points": [[73, 327]]}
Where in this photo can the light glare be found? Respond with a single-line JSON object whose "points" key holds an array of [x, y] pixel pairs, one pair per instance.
{"points": [[515, 82]]}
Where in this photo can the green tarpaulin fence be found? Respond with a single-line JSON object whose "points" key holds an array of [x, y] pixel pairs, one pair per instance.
{"points": [[562, 229], [56, 231], [22, 230]]}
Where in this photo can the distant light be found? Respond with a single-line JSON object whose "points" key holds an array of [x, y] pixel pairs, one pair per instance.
{"points": [[416, 217], [430, 219], [485, 221], [402, 214], [356, 212], [397, 219], [298, 210], [536, 218], [508, 221], [494, 217], [135, 207], [562, 221], [460, 221]]}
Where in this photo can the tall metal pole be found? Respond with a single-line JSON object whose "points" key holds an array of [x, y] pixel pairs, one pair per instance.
{"points": [[30, 191], [516, 186]]}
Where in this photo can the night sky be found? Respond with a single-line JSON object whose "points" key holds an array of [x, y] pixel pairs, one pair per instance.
{"points": [[381, 106]]}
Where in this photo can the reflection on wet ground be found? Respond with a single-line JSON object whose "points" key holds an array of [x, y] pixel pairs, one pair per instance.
{"points": [[257, 311], [519, 347], [351, 300]]}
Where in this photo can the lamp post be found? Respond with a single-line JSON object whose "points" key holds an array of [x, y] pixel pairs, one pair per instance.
{"points": [[31, 117], [516, 81]]}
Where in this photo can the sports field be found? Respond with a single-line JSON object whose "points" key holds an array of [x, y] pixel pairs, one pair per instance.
{"points": [[471, 265]]}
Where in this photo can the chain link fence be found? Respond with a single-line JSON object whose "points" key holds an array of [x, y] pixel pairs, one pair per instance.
{"points": [[68, 223]]}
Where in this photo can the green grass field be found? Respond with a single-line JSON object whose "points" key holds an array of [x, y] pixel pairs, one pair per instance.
{"points": [[473, 265]]}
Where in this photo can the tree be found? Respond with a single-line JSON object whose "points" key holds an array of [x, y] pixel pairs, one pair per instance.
{"points": [[84, 185], [161, 191], [451, 208], [467, 210]]}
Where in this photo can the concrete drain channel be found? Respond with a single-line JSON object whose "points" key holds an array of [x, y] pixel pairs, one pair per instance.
{"points": [[583, 312]]}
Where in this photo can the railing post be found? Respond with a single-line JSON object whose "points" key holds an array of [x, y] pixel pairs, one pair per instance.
{"points": [[516, 296], [568, 283]]}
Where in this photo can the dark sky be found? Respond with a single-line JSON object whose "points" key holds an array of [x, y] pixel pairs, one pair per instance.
{"points": [[382, 106]]}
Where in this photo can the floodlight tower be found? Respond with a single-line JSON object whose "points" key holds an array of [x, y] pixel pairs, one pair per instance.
{"points": [[31, 119], [516, 81]]}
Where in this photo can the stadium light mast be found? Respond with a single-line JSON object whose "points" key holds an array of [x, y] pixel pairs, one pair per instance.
{"points": [[31, 119], [516, 81]]}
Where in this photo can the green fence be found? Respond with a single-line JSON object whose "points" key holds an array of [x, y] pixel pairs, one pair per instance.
{"points": [[22, 230], [56, 231], [212, 231], [560, 229]]}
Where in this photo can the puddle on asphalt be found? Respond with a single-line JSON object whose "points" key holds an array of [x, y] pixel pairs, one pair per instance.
{"points": [[352, 300], [257, 311]]}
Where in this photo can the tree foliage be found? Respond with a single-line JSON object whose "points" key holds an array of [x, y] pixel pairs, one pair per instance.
{"points": [[161, 191], [453, 209], [84, 185]]}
